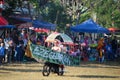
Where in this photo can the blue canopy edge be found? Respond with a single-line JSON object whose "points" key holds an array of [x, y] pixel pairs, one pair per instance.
{"points": [[37, 23], [7, 26], [89, 26]]}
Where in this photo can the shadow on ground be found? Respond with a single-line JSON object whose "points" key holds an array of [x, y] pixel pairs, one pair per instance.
{"points": [[110, 64], [92, 76], [20, 70]]}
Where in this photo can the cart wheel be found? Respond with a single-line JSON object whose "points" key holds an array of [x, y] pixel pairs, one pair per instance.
{"points": [[46, 70], [61, 71]]}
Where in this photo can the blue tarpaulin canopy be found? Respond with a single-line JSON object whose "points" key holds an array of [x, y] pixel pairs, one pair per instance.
{"points": [[89, 26], [42, 24], [37, 23], [7, 26]]}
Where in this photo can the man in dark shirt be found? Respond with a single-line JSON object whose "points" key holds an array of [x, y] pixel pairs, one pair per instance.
{"points": [[114, 44]]}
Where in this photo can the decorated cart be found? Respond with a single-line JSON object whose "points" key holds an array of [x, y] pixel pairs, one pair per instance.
{"points": [[41, 52], [54, 61]]}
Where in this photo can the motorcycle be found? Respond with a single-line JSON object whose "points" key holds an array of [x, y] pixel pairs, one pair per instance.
{"points": [[52, 67]]}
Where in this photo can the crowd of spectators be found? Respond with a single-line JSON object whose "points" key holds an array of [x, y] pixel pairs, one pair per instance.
{"points": [[101, 49], [14, 43], [13, 46]]}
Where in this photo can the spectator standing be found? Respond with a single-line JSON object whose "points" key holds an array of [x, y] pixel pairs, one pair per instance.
{"points": [[7, 48], [1, 40], [24, 36], [20, 50], [2, 52], [108, 54], [100, 49], [114, 44], [11, 51]]}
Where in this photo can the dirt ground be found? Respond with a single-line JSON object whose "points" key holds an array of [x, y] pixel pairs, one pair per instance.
{"points": [[86, 71]]}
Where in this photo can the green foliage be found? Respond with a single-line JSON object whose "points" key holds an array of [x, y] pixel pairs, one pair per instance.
{"points": [[116, 18], [107, 11], [55, 13], [85, 16]]}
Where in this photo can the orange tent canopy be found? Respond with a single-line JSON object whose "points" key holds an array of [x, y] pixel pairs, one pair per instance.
{"points": [[112, 29]]}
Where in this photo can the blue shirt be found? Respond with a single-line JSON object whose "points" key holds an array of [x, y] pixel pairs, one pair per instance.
{"points": [[108, 48], [2, 51]]}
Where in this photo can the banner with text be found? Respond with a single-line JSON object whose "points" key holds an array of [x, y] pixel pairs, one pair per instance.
{"points": [[41, 52]]}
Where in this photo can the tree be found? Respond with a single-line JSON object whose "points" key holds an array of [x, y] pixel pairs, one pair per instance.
{"points": [[10, 5], [56, 14], [62, 12], [107, 12], [74, 8]]}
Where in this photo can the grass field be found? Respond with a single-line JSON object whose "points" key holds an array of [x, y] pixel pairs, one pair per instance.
{"points": [[86, 71]]}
